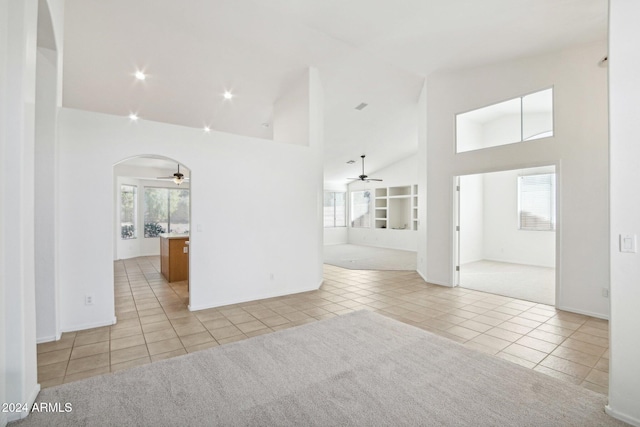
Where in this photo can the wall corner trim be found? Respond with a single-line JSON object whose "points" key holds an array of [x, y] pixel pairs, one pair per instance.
{"points": [[15, 416], [84, 326], [584, 312], [620, 416]]}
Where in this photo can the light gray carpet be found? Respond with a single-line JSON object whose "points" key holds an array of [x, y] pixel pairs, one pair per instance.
{"points": [[360, 369], [527, 282], [356, 257]]}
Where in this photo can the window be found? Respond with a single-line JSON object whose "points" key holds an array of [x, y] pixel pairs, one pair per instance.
{"points": [[128, 211], [335, 213], [360, 209], [166, 210], [537, 202], [520, 119]]}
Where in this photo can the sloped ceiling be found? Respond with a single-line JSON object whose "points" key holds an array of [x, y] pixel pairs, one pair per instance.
{"points": [[377, 52]]}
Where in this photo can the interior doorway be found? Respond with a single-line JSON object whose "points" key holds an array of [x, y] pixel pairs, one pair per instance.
{"points": [[506, 233], [152, 217]]}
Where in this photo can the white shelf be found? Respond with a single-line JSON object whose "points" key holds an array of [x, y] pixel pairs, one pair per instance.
{"points": [[396, 208]]}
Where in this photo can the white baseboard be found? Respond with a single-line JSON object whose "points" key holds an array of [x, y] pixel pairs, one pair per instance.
{"points": [[622, 417], [254, 298], [510, 261], [89, 325], [585, 312], [434, 282], [15, 416], [421, 275], [49, 338]]}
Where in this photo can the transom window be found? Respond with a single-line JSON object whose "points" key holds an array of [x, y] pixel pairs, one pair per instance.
{"points": [[520, 119]]}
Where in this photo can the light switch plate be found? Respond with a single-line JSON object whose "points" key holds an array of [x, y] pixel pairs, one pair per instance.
{"points": [[628, 243]]}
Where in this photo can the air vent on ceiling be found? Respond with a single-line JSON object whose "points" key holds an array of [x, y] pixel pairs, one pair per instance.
{"points": [[361, 106]]}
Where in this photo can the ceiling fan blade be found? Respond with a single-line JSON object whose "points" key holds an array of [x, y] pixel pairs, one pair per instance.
{"points": [[363, 177]]}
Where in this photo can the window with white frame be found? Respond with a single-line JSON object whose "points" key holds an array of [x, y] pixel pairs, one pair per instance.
{"points": [[537, 202], [361, 209], [128, 211], [525, 118], [335, 212]]}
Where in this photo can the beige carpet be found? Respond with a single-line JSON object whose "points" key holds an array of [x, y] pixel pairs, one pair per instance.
{"points": [[526, 282], [356, 257], [360, 369]]}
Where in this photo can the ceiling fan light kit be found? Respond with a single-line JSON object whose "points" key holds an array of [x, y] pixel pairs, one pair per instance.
{"points": [[178, 177]]}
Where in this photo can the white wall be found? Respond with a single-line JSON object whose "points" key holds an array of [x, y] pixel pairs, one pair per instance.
{"points": [[245, 229], [624, 87], [471, 218], [503, 241], [291, 114], [404, 172], [336, 236], [578, 149]]}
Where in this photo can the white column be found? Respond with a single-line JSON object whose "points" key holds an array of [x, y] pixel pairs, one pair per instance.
{"points": [[17, 183], [624, 111]]}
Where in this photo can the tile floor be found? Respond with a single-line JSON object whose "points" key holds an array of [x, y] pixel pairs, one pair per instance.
{"points": [[154, 323]]}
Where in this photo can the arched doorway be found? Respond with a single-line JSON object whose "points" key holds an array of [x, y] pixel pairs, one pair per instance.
{"points": [[152, 213]]}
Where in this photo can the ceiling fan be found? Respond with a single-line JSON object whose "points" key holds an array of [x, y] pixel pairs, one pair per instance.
{"points": [[177, 177], [364, 177]]}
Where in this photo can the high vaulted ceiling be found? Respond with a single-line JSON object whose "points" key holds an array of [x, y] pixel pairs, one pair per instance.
{"points": [[377, 52]]}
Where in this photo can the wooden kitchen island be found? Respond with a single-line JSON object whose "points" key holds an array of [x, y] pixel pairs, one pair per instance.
{"points": [[174, 256]]}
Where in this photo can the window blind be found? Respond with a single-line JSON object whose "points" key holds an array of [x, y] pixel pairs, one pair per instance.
{"points": [[536, 202]]}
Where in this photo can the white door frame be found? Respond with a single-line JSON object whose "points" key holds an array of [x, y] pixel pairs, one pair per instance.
{"points": [[455, 232]]}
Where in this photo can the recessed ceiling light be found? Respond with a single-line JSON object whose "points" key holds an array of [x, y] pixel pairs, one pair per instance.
{"points": [[350, 162], [207, 129], [227, 95], [361, 106], [133, 116], [140, 75]]}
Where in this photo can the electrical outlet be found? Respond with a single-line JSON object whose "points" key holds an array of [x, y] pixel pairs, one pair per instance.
{"points": [[88, 299], [185, 250]]}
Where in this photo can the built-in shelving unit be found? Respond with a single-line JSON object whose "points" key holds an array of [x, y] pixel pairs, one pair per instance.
{"points": [[381, 208], [396, 208]]}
